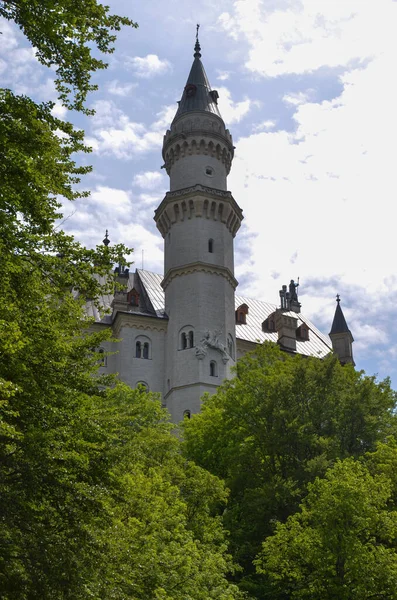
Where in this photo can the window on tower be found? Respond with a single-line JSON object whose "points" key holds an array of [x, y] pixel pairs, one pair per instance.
{"points": [[209, 171], [213, 369], [211, 245], [138, 350], [186, 337], [143, 347], [183, 341]]}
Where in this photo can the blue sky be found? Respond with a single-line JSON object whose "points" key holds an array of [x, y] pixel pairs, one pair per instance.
{"points": [[308, 90]]}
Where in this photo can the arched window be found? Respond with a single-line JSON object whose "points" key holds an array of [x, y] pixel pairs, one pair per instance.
{"points": [[213, 369], [143, 347], [186, 337], [210, 245], [183, 341], [138, 350], [191, 339], [187, 414]]}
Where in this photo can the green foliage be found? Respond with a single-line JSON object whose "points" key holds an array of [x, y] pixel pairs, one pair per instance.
{"points": [[98, 502], [270, 431], [64, 34], [341, 544]]}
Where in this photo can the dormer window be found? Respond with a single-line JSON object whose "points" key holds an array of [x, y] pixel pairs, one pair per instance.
{"points": [[190, 90], [269, 324], [214, 96], [241, 314], [302, 333], [133, 297]]}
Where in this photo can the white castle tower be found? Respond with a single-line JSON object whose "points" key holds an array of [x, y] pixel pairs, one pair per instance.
{"points": [[198, 220]]}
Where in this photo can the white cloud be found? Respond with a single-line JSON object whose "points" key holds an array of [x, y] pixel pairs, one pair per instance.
{"points": [[164, 118], [326, 191], [296, 98], [232, 112], [116, 88], [149, 180], [114, 133], [148, 66], [264, 125], [59, 111], [304, 36], [223, 75], [116, 210]]}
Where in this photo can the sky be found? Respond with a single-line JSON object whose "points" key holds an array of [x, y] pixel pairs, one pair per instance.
{"points": [[308, 90]]}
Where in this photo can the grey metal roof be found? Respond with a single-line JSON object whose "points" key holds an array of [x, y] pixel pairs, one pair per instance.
{"points": [[318, 344], [152, 284], [201, 99]]}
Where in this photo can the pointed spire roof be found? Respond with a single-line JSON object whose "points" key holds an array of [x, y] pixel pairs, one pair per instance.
{"points": [[197, 95], [339, 324]]}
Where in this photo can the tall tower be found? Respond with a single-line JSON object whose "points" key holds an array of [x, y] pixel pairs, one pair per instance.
{"points": [[198, 220]]}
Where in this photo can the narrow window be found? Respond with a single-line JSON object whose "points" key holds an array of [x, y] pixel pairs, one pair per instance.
{"points": [[146, 350], [210, 245], [230, 346], [102, 358], [138, 350], [213, 369], [183, 341], [186, 414], [191, 339]]}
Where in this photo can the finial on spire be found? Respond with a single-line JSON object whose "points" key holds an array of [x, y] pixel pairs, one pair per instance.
{"points": [[337, 298], [106, 240], [197, 47]]}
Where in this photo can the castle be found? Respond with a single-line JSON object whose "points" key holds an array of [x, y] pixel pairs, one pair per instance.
{"points": [[181, 333]]}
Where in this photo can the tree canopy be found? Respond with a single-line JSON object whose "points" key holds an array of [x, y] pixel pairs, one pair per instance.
{"points": [[270, 431], [341, 543]]}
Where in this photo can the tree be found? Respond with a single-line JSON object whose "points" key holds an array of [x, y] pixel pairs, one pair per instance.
{"points": [[97, 501], [65, 35], [282, 421], [342, 542]]}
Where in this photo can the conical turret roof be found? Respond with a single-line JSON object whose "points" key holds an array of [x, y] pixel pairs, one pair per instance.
{"points": [[197, 95], [339, 324]]}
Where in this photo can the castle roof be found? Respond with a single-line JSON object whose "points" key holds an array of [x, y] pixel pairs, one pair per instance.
{"points": [[149, 284], [197, 94]]}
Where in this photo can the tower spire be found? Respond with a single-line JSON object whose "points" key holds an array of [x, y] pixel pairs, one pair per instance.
{"points": [[197, 47]]}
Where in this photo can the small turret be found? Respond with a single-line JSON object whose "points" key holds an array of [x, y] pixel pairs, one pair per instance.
{"points": [[341, 336]]}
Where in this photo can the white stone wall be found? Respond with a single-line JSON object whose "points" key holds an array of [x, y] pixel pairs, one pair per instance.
{"points": [[193, 169], [130, 369], [187, 242]]}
